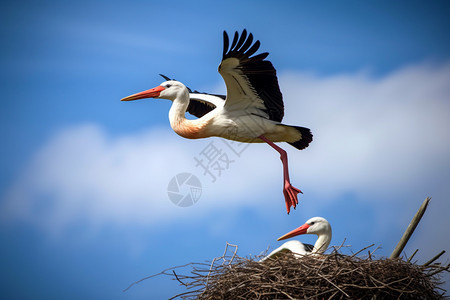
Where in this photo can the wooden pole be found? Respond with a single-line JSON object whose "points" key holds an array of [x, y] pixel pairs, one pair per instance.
{"points": [[409, 231]]}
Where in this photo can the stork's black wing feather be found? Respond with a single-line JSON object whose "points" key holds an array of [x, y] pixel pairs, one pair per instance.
{"points": [[259, 73], [199, 108], [202, 103], [308, 247]]}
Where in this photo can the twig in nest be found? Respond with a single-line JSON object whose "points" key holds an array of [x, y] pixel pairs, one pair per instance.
{"points": [[354, 254], [412, 255], [175, 274], [223, 257], [163, 272], [434, 258]]}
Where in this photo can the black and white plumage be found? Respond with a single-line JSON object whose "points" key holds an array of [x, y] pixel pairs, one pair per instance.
{"points": [[318, 226], [251, 111]]}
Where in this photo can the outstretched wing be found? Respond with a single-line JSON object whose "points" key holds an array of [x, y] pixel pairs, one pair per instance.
{"points": [[251, 81]]}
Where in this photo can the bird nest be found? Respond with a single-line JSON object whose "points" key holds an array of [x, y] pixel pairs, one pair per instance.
{"points": [[325, 276], [329, 276]]}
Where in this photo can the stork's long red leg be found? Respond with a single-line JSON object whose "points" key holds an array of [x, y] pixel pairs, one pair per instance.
{"points": [[290, 192]]}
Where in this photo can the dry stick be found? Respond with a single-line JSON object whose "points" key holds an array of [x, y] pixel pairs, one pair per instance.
{"points": [[178, 278], [284, 293], [335, 249], [372, 252], [234, 254], [354, 254], [411, 257], [154, 275], [222, 257], [409, 231], [333, 284], [434, 258], [439, 270]]}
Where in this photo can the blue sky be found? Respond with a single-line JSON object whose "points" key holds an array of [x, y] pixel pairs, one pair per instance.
{"points": [[84, 209]]}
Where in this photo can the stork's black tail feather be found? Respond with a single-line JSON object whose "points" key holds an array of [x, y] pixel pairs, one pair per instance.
{"points": [[307, 138]]}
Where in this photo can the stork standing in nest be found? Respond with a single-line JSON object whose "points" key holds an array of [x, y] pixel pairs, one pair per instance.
{"points": [[251, 112]]}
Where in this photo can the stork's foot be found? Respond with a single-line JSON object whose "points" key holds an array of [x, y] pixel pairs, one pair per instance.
{"points": [[290, 196]]}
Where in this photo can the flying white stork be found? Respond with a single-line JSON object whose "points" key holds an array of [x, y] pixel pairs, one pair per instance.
{"points": [[318, 226], [251, 112]]}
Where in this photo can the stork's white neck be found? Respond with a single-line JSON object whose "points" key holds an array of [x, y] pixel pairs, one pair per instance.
{"points": [[190, 129], [178, 109], [322, 243]]}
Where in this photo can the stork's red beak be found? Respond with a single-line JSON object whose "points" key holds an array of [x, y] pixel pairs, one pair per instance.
{"points": [[301, 230], [151, 93]]}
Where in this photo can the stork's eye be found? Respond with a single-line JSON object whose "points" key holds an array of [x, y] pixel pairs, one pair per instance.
{"points": [[312, 223], [168, 86]]}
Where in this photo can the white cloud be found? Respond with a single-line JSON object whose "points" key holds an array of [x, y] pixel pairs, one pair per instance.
{"points": [[390, 134], [83, 173], [385, 139]]}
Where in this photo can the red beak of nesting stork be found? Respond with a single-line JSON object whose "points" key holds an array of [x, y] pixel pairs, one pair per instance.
{"points": [[151, 93], [301, 230]]}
